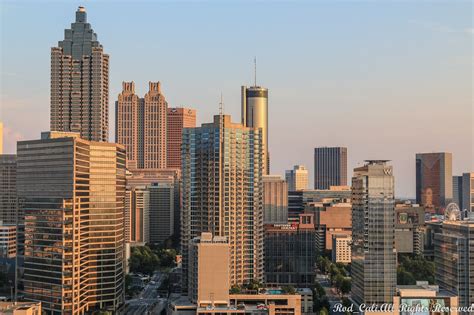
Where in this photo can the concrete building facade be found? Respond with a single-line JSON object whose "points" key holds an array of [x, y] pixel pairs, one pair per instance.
{"points": [[297, 178], [275, 200], [467, 192], [8, 200], [178, 119]]}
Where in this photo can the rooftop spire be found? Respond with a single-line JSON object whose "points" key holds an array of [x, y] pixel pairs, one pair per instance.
{"points": [[255, 70], [81, 15]]}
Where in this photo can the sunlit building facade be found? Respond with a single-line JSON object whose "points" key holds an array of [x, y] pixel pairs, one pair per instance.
{"points": [[297, 178], [222, 193], [178, 118], [8, 200], [73, 192]]}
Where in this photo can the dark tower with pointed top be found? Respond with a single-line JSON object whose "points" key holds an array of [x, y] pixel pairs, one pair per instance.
{"points": [[80, 82]]}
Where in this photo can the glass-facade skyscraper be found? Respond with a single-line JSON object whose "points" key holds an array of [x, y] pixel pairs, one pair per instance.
{"points": [[330, 167], [73, 194], [373, 234], [222, 168], [80, 82]]}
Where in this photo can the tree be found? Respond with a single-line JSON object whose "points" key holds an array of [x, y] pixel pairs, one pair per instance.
{"points": [[235, 289], [346, 285], [324, 311], [289, 289], [414, 268]]}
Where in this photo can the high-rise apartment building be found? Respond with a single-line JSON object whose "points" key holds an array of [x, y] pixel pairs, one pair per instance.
{"points": [[8, 200], [254, 109], [80, 82], [140, 126], [222, 192], [467, 192], [73, 192], [178, 118], [454, 259], [330, 167], [373, 251], [297, 178], [275, 200], [434, 180]]}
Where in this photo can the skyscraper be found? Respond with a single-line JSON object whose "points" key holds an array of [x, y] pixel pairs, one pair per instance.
{"points": [[373, 234], [73, 192], [330, 167], [457, 191], [275, 200], [297, 178], [140, 126], [434, 180], [8, 200], [255, 115], [454, 259], [222, 192], [468, 192], [80, 82], [136, 218], [178, 118], [160, 205]]}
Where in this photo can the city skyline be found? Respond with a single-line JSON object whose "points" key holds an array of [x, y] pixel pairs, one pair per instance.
{"points": [[315, 91]]}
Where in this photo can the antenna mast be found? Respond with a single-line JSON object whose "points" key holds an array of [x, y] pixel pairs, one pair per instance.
{"points": [[255, 70]]}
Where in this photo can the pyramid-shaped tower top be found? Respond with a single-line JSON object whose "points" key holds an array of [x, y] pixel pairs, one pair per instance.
{"points": [[80, 38]]}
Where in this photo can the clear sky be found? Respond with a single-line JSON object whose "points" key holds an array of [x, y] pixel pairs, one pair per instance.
{"points": [[387, 79]]}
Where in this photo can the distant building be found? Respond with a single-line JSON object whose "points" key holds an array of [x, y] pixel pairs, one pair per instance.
{"points": [[454, 259], [178, 119], [8, 200], [374, 257], [254, 108], [209, 265], [467, 192], [423, 297], [136, 215], [457, 191], [331, 216], [297, 178], [434, 180], [299, 200], [275, 200], [160, 206], [73, 192], [141, 126], [8, 248], [1, 137], [290, 253], [341, 248], [330, 167], [409, 228], [80, 82]]}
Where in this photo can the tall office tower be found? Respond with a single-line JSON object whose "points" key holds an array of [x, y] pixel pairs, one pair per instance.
{"points": [[330, 167], [410, 228], [209, 258], [254, 108], [434, 180], [73, 192], [457, 190], [222, 192], [290, 252], [454, 259], [468, 192], [8, 200], [178, 118], [160, 205], [275, 200], [136, 215], [80, 82], [140, 126], [373, 225], [297, 178]]}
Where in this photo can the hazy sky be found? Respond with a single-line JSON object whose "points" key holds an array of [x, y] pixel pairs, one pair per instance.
{"points": [[387, 79]]}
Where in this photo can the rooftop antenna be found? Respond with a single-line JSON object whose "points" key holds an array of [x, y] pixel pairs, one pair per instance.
{"points": [[255, 70]]}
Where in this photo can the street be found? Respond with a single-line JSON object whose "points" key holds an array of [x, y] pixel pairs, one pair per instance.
{"points": [[332, 297], [148, 301]]}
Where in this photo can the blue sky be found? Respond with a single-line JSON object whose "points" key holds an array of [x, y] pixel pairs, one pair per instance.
{"points": [[387, 79]]}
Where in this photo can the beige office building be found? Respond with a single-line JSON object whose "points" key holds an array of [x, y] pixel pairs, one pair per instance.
{"points": [[8, 247], [80, 82], [341, 248], [20, 308], [222, 192], [73, 192], [275, 200], [8, 200], [297, 178], [141, 125], [178, 118]]}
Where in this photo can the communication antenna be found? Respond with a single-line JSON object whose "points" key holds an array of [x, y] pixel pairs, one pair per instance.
{"points": [[255, 70]]}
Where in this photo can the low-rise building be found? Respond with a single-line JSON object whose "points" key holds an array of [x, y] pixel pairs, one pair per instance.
{"points": [[20, 308]]}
